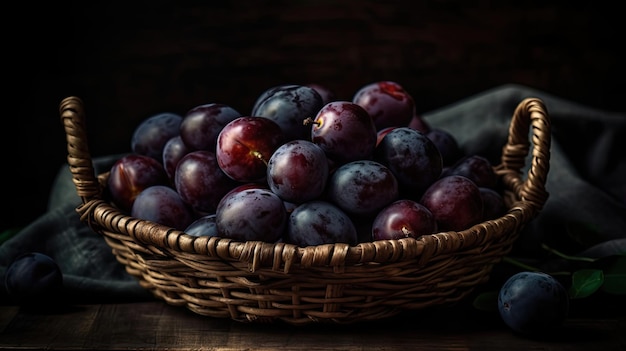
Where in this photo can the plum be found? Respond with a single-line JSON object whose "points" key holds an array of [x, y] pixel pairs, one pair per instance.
{"points": [[162, 204], [203, 226], [289, 106], [477, 168], [245, 145], [362, 187], [419, 123], [345, 131], [387, 102], [403, 218], [200, 181], [152, 133], [34, 279], [381, 134], [447, 145], [202, 124], [414, 159], [173, 151], [319, 222], [298, 171], [533, 303], [455, 201], [251, 212], [325, 92], [493, 203], [130, 175]]}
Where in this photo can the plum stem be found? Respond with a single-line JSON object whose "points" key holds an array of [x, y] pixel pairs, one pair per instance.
{"points": [[259, 156], [407, 232], [310, 120]]}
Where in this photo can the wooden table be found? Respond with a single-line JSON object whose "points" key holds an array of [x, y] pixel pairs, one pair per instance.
{"points": [[154, 325]]}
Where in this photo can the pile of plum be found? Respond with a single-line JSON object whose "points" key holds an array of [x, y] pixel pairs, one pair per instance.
{"points": [[305, 168]]}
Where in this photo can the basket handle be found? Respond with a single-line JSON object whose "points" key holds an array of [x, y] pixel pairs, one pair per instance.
{"points": [[79, 159], [530, 112]]}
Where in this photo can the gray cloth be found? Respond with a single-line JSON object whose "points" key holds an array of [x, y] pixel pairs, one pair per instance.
{"points": [[585, 182]]}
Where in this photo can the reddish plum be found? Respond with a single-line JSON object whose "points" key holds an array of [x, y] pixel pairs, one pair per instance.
{"points": [[319, 222], [345, 131], [130, 175], [493, 203], [419, 123], [455, 201], [381, 134], [245, 145], [200, 181], [387, 102], [403, 219], [173, 151], [298, 171], [477, 168]]}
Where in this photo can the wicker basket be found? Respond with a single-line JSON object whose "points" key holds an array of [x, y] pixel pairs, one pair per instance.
{"points": [[338, 283]]}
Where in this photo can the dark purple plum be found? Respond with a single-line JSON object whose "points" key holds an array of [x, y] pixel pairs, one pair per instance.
{"points": [[326, 93], [403, 219], [493, 203], [477, 168], [419, 123], [414, 159], [381, 134], [388, 103], [251, 213], [152, 133], [289, 106], [446, 144], [200, 181], [203, 226], [202, 124], [269, 92], [345, 131], [34, 279], [245, 145], [455, 201], [319, 222], [298, 171], [533, 303], [162, 204], [173, 151], [362, 187], [130, 175]]}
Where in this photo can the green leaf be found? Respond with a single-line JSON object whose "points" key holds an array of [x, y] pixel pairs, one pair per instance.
{"points": [[486, 301], [615, 277], [585, 282]]}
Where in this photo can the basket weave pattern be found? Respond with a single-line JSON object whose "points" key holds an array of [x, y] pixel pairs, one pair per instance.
{"points": [[337, 283]]}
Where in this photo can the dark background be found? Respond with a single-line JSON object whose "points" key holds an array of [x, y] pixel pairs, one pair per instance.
{"points": [[130, 60]]}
